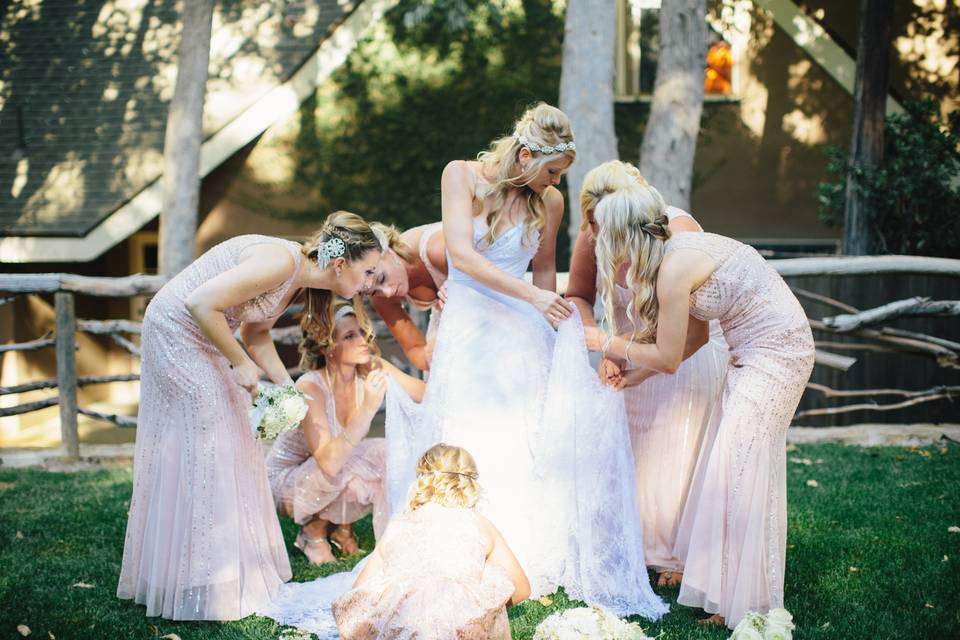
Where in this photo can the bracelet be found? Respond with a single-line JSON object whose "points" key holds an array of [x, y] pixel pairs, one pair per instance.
{"points": [[606, 345], [626, 351]]}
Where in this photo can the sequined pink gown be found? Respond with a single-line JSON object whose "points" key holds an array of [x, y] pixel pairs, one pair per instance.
{"points": [[733, 532], [435, 583], [301, 490], [668, 416], [203, 541]]}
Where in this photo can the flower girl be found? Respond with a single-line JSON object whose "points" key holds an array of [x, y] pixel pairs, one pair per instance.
{"points": [[441, 570]]}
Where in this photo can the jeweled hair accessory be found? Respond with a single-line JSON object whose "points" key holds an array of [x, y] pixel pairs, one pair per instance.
{"points": [[547, 149], [342, 312], [329, 249]]}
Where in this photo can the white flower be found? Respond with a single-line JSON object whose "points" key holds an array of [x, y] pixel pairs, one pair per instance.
{"points": [[776, 632], [277, 409], [746, 632], [587, 623], [781, 617]]}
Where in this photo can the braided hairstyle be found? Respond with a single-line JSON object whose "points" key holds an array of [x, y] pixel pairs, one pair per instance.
{"points": [[633, 228], [448, 476]]}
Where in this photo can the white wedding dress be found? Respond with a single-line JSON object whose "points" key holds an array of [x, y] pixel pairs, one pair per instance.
{"points": [[551, 444]]}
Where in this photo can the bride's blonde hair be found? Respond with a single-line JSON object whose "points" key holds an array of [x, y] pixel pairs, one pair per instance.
{"points": [[540, 126], [603, 180], [633, 228], [446, 475]]}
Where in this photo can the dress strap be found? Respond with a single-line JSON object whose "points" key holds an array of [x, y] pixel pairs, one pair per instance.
{"points": [[674, 212], [428, 233]]}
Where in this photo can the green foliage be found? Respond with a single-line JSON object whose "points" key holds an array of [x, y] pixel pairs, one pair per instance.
{"points": [[437, 80], [915, 197], [869, 554]]}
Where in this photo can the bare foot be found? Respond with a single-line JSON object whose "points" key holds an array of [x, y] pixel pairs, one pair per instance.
{"points": [[715, 619], [317, 550], [669, 579], [344, 539]]}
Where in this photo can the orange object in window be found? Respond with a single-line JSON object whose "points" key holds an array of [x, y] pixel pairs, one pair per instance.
{"points": [[719, 70]]}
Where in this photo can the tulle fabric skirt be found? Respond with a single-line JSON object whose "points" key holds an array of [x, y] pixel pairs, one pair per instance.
{"points": [[551, 444], [733, 532], [203, 541], [427, 608], [668, 417]]}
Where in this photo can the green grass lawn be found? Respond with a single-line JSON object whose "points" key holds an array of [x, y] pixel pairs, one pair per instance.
{"points": [[870, 555]]}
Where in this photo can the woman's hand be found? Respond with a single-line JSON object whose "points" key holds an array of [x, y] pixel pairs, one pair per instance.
{"points": [[247, 375], [610, 373], [595, 337], [553, 307], [374, 389], [441, 297], [428, 352]]}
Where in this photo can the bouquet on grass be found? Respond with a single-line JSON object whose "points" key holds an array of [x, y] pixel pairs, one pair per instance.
{"points": [[276, 409], [776, 625], [587, 623]]}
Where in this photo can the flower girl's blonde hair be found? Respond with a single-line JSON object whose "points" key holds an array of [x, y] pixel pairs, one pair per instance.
{"points": [[446, 475]]}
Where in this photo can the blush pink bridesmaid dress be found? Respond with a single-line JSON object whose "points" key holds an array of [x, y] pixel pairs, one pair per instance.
{"points": [[733, 531], [203, 541]]}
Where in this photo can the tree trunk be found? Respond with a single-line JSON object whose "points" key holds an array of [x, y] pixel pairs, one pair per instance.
{"points": [[184, 136], [869, 104], [586, 92], [670, 138]]}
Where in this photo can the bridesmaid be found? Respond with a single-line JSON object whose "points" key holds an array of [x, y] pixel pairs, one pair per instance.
{"points": [[417, 277], [667, 413], [442, 570], [203, 541], [328, 472], [733, 531]]}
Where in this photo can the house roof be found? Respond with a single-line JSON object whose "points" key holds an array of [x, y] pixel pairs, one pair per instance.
{"points": [[85, 88]]}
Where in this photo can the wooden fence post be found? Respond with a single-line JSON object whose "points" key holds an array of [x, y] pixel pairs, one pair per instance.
{"points": [[67, 372]]}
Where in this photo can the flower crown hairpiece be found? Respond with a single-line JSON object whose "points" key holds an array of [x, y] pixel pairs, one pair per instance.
{"points": [[342, 312], [547, 149]]}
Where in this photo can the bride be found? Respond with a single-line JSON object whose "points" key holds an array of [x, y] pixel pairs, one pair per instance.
{"points": [[510, 382], [550, 440]]}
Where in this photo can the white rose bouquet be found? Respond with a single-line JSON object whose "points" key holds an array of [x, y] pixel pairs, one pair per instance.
{"points": [[277, 409], [776, 625], [587, 623]]}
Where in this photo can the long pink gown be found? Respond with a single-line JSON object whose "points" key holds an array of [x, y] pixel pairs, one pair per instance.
{"points": [[668, 416], [302, 490], [733, 531], [435, 583], [203, 541]]}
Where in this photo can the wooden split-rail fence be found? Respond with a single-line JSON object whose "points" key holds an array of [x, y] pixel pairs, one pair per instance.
{"points": [[852, 322]]}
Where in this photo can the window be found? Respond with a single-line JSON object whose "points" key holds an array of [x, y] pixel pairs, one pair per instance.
{"points": [[638, 35], [143, 259]]}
